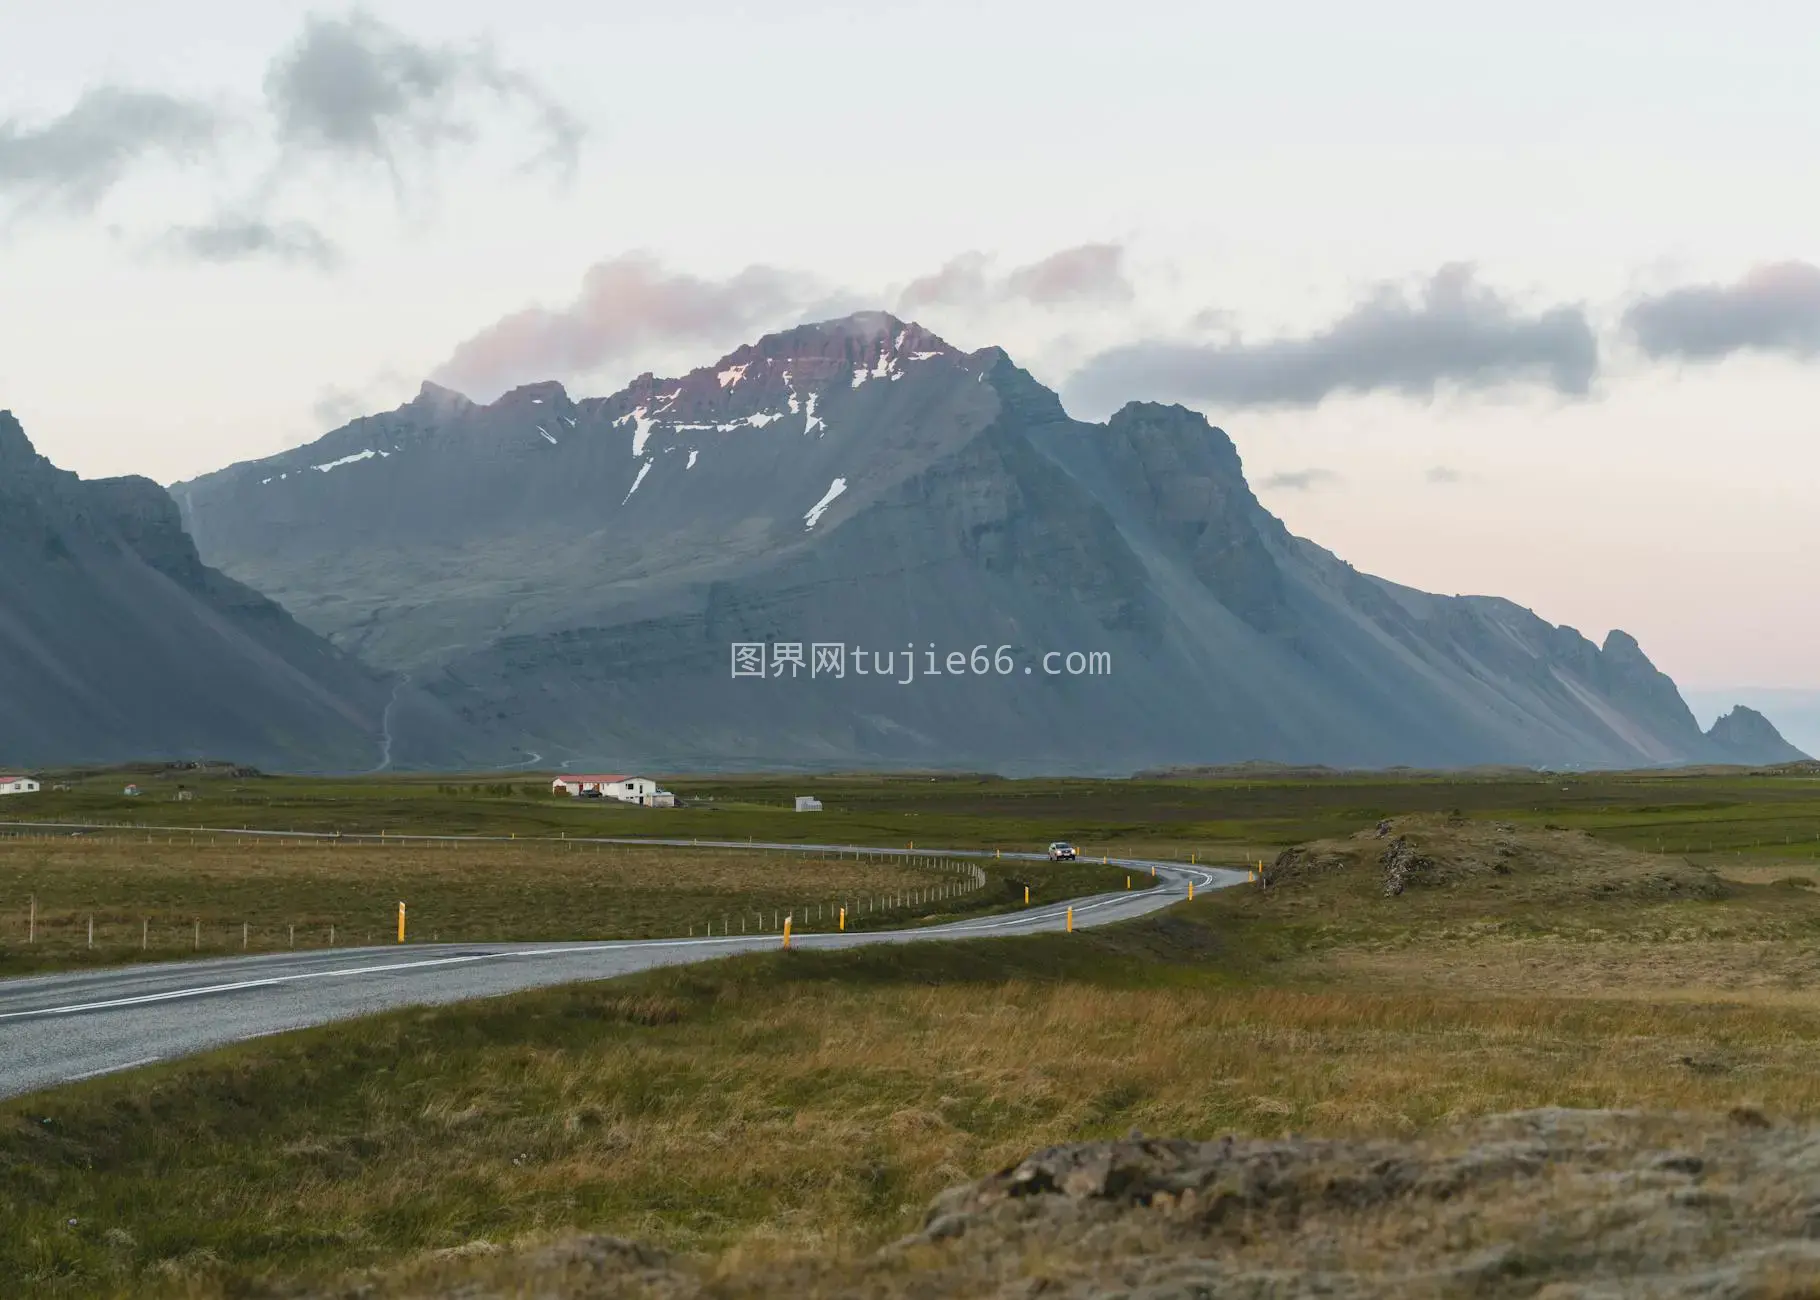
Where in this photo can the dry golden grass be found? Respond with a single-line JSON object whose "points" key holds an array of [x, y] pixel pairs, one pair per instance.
{"points": [[176, 895], [809, 1105]]}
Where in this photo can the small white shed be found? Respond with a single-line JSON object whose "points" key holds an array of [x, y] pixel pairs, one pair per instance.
{"points": [[808, 803], [18, 785]]}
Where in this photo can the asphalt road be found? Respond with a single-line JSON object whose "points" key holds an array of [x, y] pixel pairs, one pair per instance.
{"points": [[61, 1028]]}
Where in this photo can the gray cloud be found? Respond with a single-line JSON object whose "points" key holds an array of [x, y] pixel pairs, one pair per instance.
{"points": [[1087, 273], [1443, 474], [1298, 480], [72, 161], [239, 239], [1455, 331], [1774, 308], [625, 305], [355, 87]]}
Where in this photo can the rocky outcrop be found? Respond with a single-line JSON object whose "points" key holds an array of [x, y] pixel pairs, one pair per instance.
{"points": [[1562, 1203]]}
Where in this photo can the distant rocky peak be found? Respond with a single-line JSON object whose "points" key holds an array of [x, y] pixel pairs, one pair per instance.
{"points": [[546, 392], [788, 378], [440, 399], [15, 447], [1747, 736], [871, 344]]}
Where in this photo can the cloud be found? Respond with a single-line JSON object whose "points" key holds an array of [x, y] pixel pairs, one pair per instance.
{"points": [[1090, 273], [1454, 331], [1774, 308], [961, 280], [356, 88], [1443, 474], [71, 162], [334, 407], [1298, 480], [625, 305], [1087, 273], [239, 239]]}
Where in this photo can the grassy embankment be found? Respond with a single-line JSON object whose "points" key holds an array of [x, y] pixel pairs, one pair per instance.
{"points": [[814, 1101]]}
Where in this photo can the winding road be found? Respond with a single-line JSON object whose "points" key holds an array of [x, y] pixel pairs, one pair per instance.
{"points": [[61, 1028]]}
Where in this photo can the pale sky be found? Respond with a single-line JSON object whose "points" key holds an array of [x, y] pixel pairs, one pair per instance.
{"points": [[1524, 305]]}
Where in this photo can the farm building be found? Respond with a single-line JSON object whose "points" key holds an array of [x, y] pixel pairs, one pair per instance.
{"points": [[808, 803], [640, 790], [18, 785]]}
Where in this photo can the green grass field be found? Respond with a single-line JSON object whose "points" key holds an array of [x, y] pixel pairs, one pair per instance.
{"points": [[807, 1105], [1229, 818]]}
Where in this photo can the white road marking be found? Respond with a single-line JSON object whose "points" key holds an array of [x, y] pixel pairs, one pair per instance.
{"points": [[111, 1069], [384, 968]]}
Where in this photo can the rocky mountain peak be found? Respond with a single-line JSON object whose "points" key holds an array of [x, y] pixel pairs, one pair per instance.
{"points": [[1746, 736], [16, 450], [434, 397], [870, 341], [793, 376]]}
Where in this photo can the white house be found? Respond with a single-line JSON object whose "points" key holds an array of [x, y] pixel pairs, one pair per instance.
{"points": [[808, 803], [18, 785], [640, 790]]}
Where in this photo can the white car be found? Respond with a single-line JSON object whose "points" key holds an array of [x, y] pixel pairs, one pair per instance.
{"points": [[1062, 851]]}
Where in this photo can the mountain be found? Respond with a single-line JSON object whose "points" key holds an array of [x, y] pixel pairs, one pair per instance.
{"points": [[119, 643], [568, 579], [1746, 736], [1796, 711]]}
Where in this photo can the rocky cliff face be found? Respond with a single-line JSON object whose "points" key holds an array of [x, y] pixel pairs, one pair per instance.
{"points": [[569, 578], [119, 643]]}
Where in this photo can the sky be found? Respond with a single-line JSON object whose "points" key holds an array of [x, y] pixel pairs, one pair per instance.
{"points": [[1523, 303]]}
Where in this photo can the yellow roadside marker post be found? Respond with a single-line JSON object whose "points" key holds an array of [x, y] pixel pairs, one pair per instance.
{"points": [[1127, 882], [843, 919], [1026, 895], [401, 920], [1191, 891], [1071, 920], [786, 932]]}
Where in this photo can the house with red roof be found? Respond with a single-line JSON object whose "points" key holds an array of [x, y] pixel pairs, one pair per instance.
{"points": [[640, 790]]}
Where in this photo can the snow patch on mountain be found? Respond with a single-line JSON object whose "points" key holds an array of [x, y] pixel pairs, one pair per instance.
{"points": [[692, 455], [731, 376], [547, 438], [355, 459], [641, 432], [813, 517], [643, 470]]}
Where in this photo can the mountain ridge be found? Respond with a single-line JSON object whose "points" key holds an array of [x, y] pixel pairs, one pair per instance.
{"points": [[567, 578], [121, 644]]}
